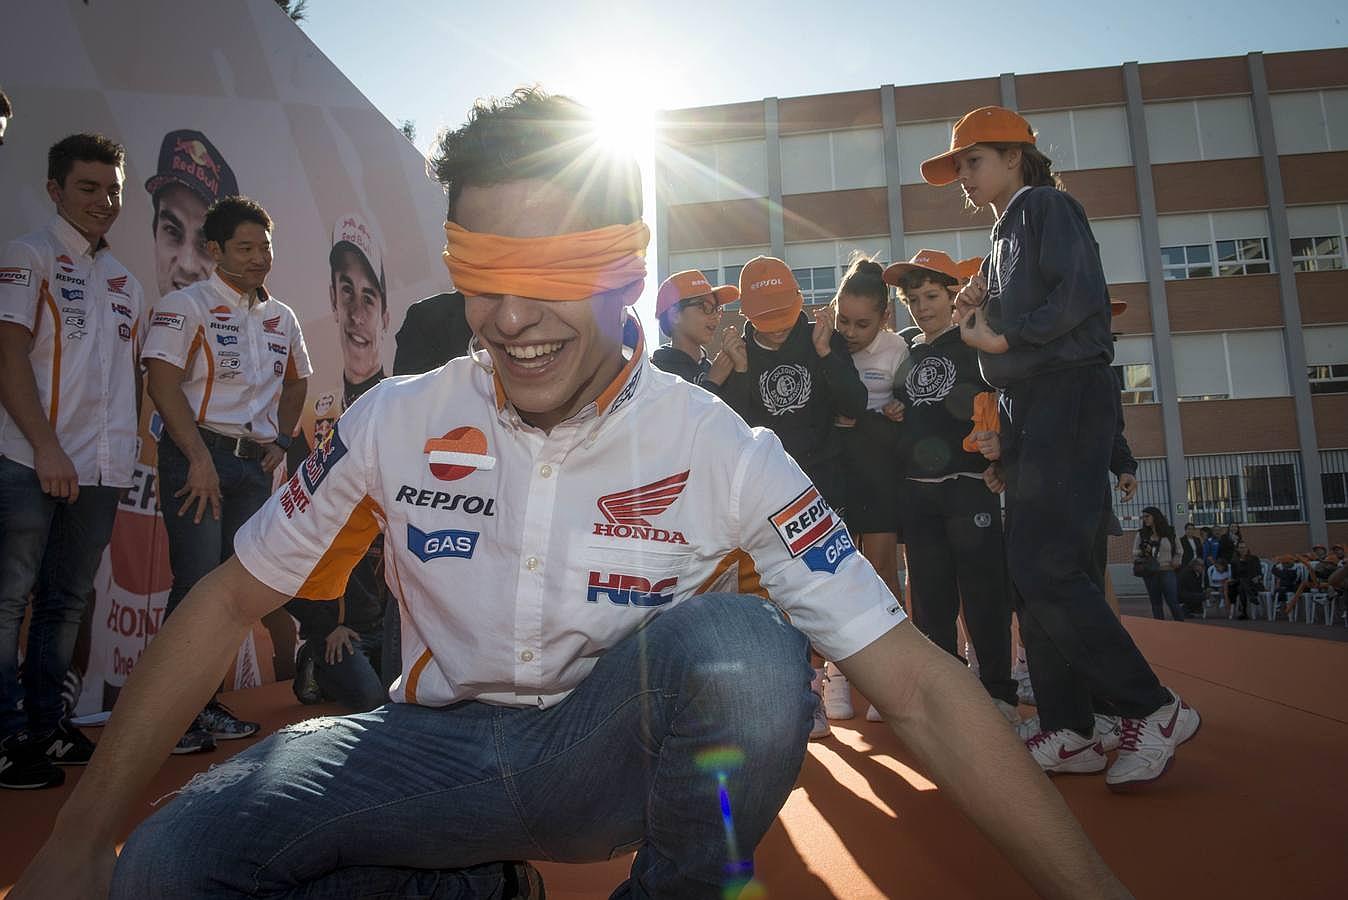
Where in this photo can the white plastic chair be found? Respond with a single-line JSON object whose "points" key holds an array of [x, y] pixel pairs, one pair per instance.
{"points": [[1326, 600], [1266, 595]]}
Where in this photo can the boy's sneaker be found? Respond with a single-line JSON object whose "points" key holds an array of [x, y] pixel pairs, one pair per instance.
{"points": [[1147, 745], [66, 745], [221, 724], [819, 728], [24, 766], [1027, 728], [1024, 689], [305, 684], [1109, 732], [1065, 752], [837, 694], [1009, 712], [873, 714], [196, 740]]}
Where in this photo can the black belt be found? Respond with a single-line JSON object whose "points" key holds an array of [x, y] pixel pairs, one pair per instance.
{"points": [[243, 448]]}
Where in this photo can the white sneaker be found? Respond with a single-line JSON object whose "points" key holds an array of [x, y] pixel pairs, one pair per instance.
{"points": [[1024, 690], [837, 694], [1109, 731], [1066, 752], [1147, 746], [873, 714], [1028, 728], [1009, 712], [819, 727]]}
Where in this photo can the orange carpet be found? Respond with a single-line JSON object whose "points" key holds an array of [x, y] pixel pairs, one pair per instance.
{"points": [[1253, 807]]}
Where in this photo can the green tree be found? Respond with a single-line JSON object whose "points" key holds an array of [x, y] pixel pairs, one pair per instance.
{"points": [[409, 129], [293, 8]]}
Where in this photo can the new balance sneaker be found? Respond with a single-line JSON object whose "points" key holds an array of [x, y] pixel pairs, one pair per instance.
{"points": [[1109, 731], [66, 745], [1027, 728], [873, 714], [196, 740], [1147, 746], [25, 767], [837, 694], [819, 728], [1064, 752], [1024, 689], [217, 720]]}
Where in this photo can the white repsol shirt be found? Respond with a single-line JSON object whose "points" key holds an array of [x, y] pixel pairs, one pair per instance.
{"points": [[236, 356], [519, 557], [84, 311], [877, 364]]}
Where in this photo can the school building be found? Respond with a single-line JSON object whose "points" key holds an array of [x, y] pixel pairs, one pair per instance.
{"points": [[1218, 193]]}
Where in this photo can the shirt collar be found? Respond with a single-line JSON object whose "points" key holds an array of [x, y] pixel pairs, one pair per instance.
{"points": [[1014, 198], [613, 397], [227, 290], [922, 336], [71, 239]]}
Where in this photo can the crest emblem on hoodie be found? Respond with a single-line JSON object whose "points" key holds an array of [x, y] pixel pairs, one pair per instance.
{"points": [[785, 388], [930, 381]]}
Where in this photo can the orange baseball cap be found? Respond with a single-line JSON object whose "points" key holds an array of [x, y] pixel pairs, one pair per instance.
{"points": [[985, 125], [769, 295], [1116, 307], [930, 260], [968, 268], [688, 284]]}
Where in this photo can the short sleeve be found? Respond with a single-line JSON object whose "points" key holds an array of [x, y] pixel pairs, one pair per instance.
{"points": [[299, 352], [309, 535], [804, 555], [171, 324], [20, 283]]}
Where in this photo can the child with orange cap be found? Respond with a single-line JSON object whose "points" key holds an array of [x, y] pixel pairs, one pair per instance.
{"points": [[952, 522], [1039, 316], [796, 377], [688, 309]]}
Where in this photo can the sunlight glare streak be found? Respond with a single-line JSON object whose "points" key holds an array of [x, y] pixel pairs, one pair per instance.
{"points": [[915, 779], [850, 778], [815, 839]]}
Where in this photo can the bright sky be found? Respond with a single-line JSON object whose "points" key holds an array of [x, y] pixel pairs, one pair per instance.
{"points": [[427, 61]]}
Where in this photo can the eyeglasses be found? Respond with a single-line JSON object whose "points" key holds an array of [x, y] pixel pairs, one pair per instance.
{"points": [[707, 304]]}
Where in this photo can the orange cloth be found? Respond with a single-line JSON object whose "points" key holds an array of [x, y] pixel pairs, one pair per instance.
{"points": [[571, 266], [985, 418]]}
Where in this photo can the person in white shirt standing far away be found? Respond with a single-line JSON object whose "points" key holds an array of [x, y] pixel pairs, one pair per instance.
{"points": [[593, 560]]}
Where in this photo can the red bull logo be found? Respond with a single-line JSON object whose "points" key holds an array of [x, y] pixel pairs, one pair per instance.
{"points": [[192, 158], [461, 452]]}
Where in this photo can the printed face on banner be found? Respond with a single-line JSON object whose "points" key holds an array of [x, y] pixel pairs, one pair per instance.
{"points": [[180, 255], [361, 314]]}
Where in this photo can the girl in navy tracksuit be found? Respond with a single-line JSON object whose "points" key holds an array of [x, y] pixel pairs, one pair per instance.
{"points": [[1039, 316]]}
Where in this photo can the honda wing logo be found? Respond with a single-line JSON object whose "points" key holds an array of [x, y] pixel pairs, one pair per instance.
{"points": [[629, 512]]}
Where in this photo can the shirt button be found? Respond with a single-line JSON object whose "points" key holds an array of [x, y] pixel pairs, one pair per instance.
{"points": [[531, 563], [527, 656], [545, 471]]}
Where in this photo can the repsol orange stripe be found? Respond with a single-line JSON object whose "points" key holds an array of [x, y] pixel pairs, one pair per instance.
{"points": [[328, 579], [44, 297], [199, 343], [410, 686], [610, 393], [747, 578]]}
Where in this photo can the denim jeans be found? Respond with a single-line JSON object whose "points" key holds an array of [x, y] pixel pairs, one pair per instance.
{"points": [[1164, 586], [53, 547], [353, 681], [197, 548], [706, 709]]}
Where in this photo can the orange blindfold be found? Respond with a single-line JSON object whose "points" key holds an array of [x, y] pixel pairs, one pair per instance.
{"points": [[571, 266]]}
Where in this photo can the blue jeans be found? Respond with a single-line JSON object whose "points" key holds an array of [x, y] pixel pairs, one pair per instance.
{"points": [[55, 547], [353, 681], [195, 549], [707, 707], [1164, 586]]}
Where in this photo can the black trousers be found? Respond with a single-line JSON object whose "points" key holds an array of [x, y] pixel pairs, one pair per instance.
{"points": [[953, 531], [1057, 431]]}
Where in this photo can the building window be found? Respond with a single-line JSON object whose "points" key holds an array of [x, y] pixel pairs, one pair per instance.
{"points": [[1334, 483], [1153, 489], [1192, 261], [1328, 379], [1135, 383], [818, 284], [1317, 254], [1246, 256], [1245, 487]]}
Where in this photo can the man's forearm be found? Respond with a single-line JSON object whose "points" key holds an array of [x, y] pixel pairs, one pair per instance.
{"points": [[956, 732], [173, 408], [172, 681], [291, 405], [18, 394]]}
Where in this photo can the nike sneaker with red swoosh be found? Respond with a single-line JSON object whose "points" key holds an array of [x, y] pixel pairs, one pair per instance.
{"points": [[1065, 752], [1147, 745]]}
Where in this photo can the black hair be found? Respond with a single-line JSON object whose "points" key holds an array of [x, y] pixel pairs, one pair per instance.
{"points": [[534, 134], [865, 278], [63, 155], [1036, 169], [228, 213], [913, 280], [6, 108], [1160, 526]]}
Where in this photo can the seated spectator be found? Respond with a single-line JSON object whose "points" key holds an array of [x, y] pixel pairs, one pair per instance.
{"points": [[1211, 546], [1247, 580], [1192, 594], [1317, 571], [1287, 583], [1219, 580]]}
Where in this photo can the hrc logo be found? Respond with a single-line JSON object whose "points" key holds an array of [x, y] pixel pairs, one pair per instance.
{"points": [[630, 590], [803, 521], [441, 544]]}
